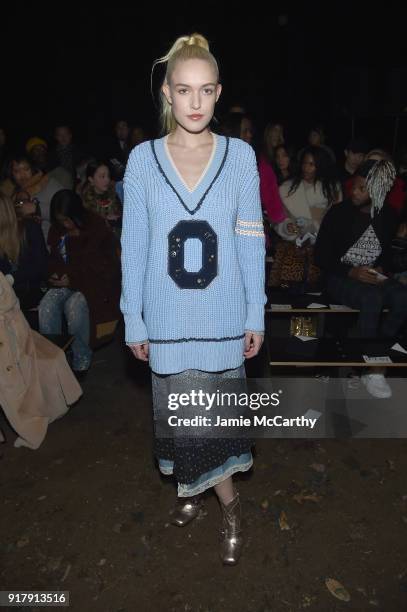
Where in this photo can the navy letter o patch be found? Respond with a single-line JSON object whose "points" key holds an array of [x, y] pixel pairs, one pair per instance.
{"points": [[176, 242]]}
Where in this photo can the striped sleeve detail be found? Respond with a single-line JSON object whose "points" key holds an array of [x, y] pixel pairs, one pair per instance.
{"points": [[245, 232], [249, 223], [249, 228]]}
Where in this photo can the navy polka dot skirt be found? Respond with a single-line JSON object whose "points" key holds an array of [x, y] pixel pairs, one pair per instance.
{"points": [[199, 463]]}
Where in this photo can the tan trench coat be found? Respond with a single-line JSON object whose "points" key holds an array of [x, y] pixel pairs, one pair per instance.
{"points": [[36, 382]]}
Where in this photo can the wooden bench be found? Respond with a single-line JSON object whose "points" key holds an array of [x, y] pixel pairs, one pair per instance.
{"points": [[338, 351], [284, 302], [281, 304]]}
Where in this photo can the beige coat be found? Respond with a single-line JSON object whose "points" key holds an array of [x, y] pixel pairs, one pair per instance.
{"points": [[36, 382]]}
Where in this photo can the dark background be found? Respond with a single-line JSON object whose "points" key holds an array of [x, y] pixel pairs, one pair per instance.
{"points": [[90, 64]]}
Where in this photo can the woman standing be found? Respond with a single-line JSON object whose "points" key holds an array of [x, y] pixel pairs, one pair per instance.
{"points": [[193, 272]]}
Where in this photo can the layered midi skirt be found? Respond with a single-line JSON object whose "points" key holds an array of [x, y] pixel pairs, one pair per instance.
{"points": [[197, 463]]}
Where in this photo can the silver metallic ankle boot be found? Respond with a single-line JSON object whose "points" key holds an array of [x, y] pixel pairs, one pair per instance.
{"points": [[230, 533], [186, 509]]}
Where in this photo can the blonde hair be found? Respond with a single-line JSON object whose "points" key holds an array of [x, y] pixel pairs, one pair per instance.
{"points": [[10, 241], [270, 128], [194, 46]]}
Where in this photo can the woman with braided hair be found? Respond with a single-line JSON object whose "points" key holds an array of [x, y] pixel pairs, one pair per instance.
{"points": [[193, 297], [353, 249]]}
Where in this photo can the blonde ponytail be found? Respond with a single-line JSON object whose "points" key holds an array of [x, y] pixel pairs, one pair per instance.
{"points": [[184, 48]]}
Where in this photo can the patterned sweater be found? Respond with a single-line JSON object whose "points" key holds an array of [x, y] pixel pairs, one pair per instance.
{"points": [[349, 238], [192, 260]]}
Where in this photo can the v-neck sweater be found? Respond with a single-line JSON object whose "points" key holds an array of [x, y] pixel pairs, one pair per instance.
{"points": [[168, 152], [192, 260]]}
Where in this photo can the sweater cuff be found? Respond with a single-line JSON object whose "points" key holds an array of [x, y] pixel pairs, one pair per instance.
{"points": [[255, 318], [135, 329]]}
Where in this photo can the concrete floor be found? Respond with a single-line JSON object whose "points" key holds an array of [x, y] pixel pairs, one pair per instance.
{"points": [[88, 512]]}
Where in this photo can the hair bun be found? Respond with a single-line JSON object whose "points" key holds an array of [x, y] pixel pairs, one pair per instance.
{"points": [[197, 40]]}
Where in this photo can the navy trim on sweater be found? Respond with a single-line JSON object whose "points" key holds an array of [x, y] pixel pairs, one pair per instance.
{"points": [[227, 338], [167, 180]]}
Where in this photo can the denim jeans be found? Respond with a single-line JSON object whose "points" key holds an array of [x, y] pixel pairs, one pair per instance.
{"points": [[370, 300], [72, 304]]}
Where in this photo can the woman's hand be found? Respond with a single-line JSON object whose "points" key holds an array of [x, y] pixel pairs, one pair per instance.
{"points": [[140, 351], [252, 344]]}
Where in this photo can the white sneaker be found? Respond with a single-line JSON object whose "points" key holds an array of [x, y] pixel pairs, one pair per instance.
{"points": [[376, 385]]}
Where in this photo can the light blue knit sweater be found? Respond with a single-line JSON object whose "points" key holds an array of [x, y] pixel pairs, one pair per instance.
{"points": [[192, 261]]}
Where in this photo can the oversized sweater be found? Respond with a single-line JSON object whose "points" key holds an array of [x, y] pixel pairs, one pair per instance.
{"points": [[192, 260]]}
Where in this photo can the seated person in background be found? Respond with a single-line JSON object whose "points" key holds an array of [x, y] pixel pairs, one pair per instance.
{"points": [[396, 198], [316, 138], [238, 125], [284, 163], [120, 149], [355, 154], [99, 194], [84, 276], [273, 138], [27, 207], [275, 166], [66, 153], [37, 149], [25, 176], [353, 250], [137, 136], [23, 254], [269, 193], [307, 196]]}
